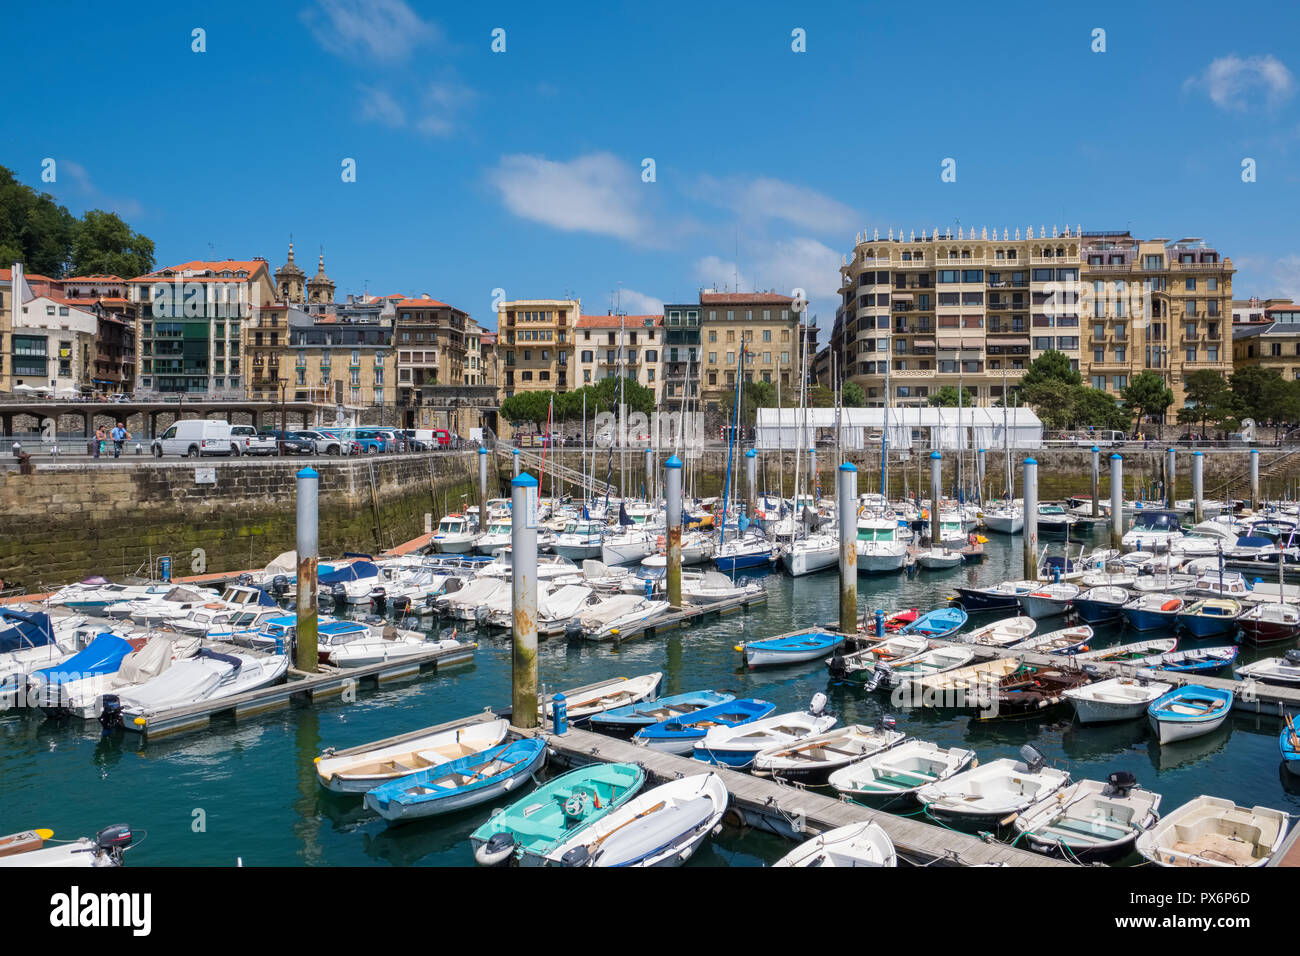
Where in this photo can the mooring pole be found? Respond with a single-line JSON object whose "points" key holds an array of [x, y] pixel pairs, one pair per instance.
{"points": [[936, 470], [1170, 478], [515, 456], [1198, 487], [846, 498], [1254, 479], [812, 474], [1117, 501], [979, 478], [482, 489], [523, 596], [308, 556], [1096, 482], [1030, 482], [751, 484], [649, 475], [673, 504]]}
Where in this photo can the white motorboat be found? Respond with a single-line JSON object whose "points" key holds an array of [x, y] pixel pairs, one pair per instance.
{"points": [[1054, 520], [1048, 600], [206, 676], [496, 537], [579, 540], [609, 617], [626, 546], [892, 777], [858, 844], [813, 759], [992, 794], [361, 769], [1274, 670], [96, 593], [1153, 531], [152, 611], [818, 551], [557, 606], [601, 578], [712, 587], [738, 746], [30, 849], [1119, 698], [85, 698], [390, 644], [1005, 520], [935, 661], [938, 559], [1211, 831], [880, 557], [1003, 633], [1090, 821], [659, 827], [1228, 584], [463, 605], [1204, 540], [454, 535]]}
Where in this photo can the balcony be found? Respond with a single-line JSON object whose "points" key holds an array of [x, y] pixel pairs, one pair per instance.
{"points": [[1196, 266], [961, 263]]}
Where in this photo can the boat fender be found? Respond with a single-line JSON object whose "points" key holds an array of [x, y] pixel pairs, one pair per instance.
{"points": [[1170, 604], [498, 848], [578, 856]]}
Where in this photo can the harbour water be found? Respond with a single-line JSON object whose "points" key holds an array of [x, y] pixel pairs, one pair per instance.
{"points": [[248, 791]]}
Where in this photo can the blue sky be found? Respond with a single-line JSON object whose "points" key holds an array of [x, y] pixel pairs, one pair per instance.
{"points": [[522, 170]]}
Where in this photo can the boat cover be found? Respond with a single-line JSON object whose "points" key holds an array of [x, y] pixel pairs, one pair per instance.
{"points": [[103, 655], [19, 629], [349, 572]]}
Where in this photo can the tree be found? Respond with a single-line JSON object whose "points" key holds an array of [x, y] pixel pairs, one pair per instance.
{"points": [[1093, 408], [1051, 366], [819, 396], [34, 229], [852, 395], [1208, 399], [1147, 395], [946, 397], [1053, 401], [104, 244], [527, 407], [754, 396], [1264, 395]]}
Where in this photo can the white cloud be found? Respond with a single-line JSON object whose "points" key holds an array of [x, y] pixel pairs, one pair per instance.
{"points": [[592, 193], [126, 208], [378, 106], [1235, 83], [783, 265], [371, 29], [638, 303], [1286, 273], [715, 272], [442, 101], [767, 198]]}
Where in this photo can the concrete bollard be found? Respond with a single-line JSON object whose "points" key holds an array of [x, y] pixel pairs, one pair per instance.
{"points": [[1096, 481], [523, 597], [673, 506], [936, 470], [846, 499], [1171, 479], [308, 558], [1198, 487], [1030, 481], [1117, 501]]}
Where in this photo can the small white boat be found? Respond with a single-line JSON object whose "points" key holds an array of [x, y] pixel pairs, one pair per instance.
{"points": [[1003, 633], [858, 844], [30, 849], [892, 777], [992, 794], [1005, 520], [1119, 698], [1189, 711], [1048, 600], [454, 535], [463, 605], [1162, 581], [206, 676], [1211, 831], [880, 556], [660, 827], [939, 558], [805, 555], [608, 618], [598, 698], [1274, 670], [738, 746], [813, 759], [356, 771], [400, 645], [935, 661], [1064, 640], [1090, 821], [627, 546]]}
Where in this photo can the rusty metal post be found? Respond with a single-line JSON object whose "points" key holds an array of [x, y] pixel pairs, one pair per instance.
{"points": [[846, 499], [936, 482], [308, 556], [1170, 477], [673, 504], [523, 595]]}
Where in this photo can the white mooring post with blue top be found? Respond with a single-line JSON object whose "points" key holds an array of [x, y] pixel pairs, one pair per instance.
{"points": [[936, 471], [846, 498], [515, 456], [980, 462], [1117, 501], [673, 505], [812, 475], [1171, 478], [1096, 482], [523, 598], [482, 489], [1198, 487], [308, 557], [649, 474], [1031, 519], [1254, 479], [751, 484]]}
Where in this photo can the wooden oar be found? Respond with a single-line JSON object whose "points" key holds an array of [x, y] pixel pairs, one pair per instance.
{"points": [[658, 806]]}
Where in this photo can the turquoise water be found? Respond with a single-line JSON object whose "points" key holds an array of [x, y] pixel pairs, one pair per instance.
{"points": [[248, 790]]}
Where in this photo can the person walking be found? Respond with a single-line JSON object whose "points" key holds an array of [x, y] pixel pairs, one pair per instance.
{"points": [[119, 435], [99, 440]]}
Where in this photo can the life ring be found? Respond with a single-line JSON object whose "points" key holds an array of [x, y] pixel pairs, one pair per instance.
{"points": [[215, 607], [659, 541]]}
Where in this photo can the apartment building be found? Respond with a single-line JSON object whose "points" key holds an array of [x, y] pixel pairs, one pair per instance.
{"points": [[935, 310], [348, 364], [1154, 305], [1272, 341], [430, 339], [681, 351], [1254, 309], [764, 325], [192, 321], [604, 345], [536, 339], [52, 343]]}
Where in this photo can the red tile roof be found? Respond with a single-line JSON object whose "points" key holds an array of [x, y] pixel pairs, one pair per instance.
{"points": [[739, 298], [630, 322], [421, 304], [251, 266]]}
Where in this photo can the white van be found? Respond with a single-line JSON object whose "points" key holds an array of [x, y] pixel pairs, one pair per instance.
{"points": [[196, 436]]}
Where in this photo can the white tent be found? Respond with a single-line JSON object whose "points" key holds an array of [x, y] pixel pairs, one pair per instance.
{"points": [[920, 427]]}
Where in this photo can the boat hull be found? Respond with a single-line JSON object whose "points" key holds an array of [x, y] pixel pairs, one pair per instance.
{"points": [[1266, 632], [1143, 620], [1097, 612], [976, 599]]}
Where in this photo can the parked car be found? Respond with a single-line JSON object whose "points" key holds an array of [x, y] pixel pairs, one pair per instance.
{"points": [[194, 437], [326, 443], [290, 443], [443, 438], [247, 441], [417, 439], [368, 441], [394, 439]]}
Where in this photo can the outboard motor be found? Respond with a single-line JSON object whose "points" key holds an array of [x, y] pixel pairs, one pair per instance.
{"points": [[1121, 782], [578, 856], [245, 579], [573, 630], [110, 718], [817, 706], [373, 619], [1292, 657], [497, 850], [400, 605], [879, 676], [1033, 758], [481, 614], [887, 723], [280, 585], [379, 600], [837, 668], [114, 840]]}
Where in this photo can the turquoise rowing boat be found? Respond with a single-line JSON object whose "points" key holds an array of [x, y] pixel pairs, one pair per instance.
{"points": [[553, 814]]}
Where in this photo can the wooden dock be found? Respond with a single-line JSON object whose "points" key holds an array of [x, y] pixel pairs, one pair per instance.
{"points": [[301, 687]]}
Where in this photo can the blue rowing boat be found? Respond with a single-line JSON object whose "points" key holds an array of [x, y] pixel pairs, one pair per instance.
{"points": [[680, 734], [464, 782], [627, 720], [790, 648], [1289, 744], [1200, 660], [1189, 711], [937, 623]]}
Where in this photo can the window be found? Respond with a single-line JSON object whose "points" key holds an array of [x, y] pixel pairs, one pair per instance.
{"points": [[1042, 343], [1118, 382], [1099, 382], [731, 358], [1098, 331], [1212, 285], [949, 275], [767, 335], [713, 358], [1043, 275], [1212, 353], [1099, 355], [1189, 285], [1191, 354], [972, 275], [587, 356], [1068, 343], [1153, 262], [713, 336], [1121, 354]]}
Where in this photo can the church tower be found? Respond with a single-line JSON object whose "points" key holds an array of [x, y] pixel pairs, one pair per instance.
{"points": [[320, 288], [289, 279]]}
